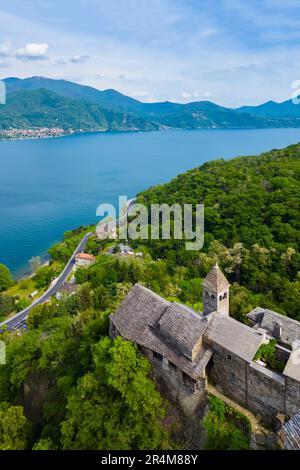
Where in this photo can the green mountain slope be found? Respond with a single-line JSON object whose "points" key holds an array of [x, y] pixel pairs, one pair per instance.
{"points": [[199, 115], [44, 108], [195, 115], [72, 90], [287, 109]]}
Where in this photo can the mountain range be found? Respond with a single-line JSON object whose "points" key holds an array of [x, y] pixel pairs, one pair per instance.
{"points": [[42, 102]]}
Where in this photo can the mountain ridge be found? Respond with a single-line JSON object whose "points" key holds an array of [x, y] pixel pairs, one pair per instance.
{"points": [[138, 115]]}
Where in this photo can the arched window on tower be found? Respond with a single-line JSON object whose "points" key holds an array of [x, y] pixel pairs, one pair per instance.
{"points": [[225, 295]]}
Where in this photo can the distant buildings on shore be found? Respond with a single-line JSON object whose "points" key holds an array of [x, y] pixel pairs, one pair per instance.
{"points": [[38, 133]]}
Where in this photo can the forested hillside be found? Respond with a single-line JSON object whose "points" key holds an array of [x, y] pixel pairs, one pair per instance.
{"points": [[252, 224], [66, 385], [43, 102], [43, 108]]}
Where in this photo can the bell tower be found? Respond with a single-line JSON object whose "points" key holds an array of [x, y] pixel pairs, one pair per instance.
{"points": [[215, 292]]}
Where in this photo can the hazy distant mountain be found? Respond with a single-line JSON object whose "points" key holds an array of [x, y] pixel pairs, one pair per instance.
{"points": [[71, 90], [287, 109], [196, 115], [88, 108], [44, 108]]}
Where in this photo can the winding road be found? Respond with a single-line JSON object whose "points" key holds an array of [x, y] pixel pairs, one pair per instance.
{"points": [[18, 321]]}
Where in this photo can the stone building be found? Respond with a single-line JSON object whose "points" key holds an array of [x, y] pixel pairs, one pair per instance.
{"points": [[289, 435], [187, 348]]}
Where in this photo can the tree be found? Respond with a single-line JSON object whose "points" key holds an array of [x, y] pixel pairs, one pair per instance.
{"points": [[6, 279], [222, 432], [21, 304], [44, 444], [7, 304], [13, 429], [116, 406], [101, 298]]}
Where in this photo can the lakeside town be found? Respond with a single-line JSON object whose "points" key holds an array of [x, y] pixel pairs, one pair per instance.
{"points": [[38, 133]]}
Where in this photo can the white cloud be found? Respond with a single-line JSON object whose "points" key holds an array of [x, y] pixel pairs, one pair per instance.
{"points": [[186, 95], [164, 47], [32, 51], [5, 49], [79, 59], [192, 94]]}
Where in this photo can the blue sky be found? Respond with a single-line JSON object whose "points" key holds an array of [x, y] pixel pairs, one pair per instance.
{"points": [[232, 52]]}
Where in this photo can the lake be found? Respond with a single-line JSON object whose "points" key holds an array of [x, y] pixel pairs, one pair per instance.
{"points": [[49, 186]]}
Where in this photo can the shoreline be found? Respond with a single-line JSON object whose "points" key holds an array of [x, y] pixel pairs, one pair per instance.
{"points": [[79, 133], [140, 131]]}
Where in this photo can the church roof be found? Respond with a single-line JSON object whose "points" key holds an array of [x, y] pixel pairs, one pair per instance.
{"points": [[170, 329], [140, 308], [290, 433], [234, 336], [292, 369], [266, 318], [183, 327], [216, 280]]}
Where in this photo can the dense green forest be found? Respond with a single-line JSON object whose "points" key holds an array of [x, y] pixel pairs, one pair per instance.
{"points": [[66, 385], [252, 227], [43, 108]]}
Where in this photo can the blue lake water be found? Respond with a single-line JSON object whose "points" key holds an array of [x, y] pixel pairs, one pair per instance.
{"points": [[49, 186]]}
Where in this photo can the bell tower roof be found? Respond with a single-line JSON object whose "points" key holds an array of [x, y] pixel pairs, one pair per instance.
{"points": [[216, 280]]}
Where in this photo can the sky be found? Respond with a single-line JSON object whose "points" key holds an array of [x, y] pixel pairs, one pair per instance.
{"points": [[231, 52]]}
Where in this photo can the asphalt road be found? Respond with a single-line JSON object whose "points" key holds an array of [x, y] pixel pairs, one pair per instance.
{"points": [[18, 321]]}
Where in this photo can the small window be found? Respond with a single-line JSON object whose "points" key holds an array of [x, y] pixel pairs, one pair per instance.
{"points": [[229, 357], [220, 297], [233, 375], [113, 327], [225, 295], [213, 296], [186, 379], [157, 356], [172, 366]]}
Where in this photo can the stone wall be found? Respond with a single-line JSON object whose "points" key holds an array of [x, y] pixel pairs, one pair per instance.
{"points": [[113, 332], [282, 353], [178, 386], [265, 392], [229, 374], [292, 397]]}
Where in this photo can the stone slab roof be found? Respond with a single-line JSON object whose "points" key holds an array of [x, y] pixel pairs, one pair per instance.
{"points": [[256, 315], [216, 280], [290, 433], [193, 368], [183, 327], [138, 317], [290, 327], [234, 336], [140, 308]]}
